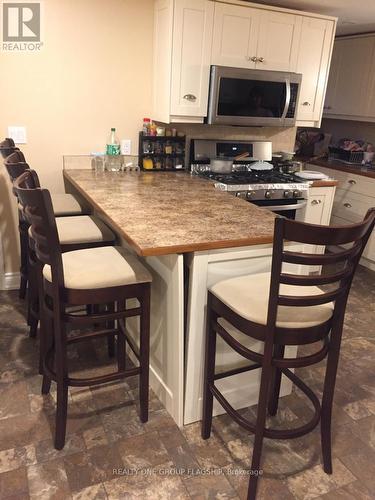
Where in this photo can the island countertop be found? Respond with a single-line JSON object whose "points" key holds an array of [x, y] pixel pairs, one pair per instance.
{"points": [[172, 212]]}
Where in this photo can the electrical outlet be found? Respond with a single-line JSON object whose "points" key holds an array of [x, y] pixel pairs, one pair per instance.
{"points": [[126, 146], [18, 134]]}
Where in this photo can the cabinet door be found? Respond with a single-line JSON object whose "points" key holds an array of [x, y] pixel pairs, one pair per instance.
{"points": [[318, 211], [333, 78], [351, 83], [192, 39], [370, 105], [235, 35], [313, 62], [278, 41]]}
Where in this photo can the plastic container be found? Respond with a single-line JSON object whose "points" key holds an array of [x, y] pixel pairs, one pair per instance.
{"points": [[113, 144]]}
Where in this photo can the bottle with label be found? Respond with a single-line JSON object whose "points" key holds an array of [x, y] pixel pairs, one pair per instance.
{"points": [[146, 126], [113, 144]]}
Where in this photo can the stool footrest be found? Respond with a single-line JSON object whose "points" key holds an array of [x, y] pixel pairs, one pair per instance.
{"points": [[268, 432]]}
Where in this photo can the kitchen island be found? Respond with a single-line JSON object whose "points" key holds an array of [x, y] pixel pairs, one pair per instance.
{"points": [[190, 236]]}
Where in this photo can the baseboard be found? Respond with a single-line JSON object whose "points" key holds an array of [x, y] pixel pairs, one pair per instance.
{"points": [[11, 281]]}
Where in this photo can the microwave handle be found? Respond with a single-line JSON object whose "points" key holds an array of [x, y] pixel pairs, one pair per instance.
{"points": [[287, 99]]}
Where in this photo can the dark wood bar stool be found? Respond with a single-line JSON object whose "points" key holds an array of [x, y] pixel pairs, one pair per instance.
{"points": [[64, 205], [98, 276], [75, 233], [283, 309]]}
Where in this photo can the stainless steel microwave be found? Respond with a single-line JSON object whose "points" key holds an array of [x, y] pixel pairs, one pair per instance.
{"points": [[250, 97]]}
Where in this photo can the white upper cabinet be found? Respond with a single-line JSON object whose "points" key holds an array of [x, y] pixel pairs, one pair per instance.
{"points": [[278, 41], [192, 35], [314, 52], [182, 58], [235, 36], [245, 37], [191, 56], [351, 79]]}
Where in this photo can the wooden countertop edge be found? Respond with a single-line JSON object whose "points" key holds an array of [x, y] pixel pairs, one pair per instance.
{"points": [[342, 167], [324, 183], [157, 251]]}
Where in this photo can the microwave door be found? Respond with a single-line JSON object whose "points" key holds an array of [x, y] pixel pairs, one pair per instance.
{"points": [[249, 97]]}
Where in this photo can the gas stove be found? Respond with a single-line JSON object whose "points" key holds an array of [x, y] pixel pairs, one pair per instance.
{"points": [[259, 185]]}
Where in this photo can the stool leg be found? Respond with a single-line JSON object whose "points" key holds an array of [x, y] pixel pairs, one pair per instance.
{"points": [[273, 402], [327, 399], [144, 353], [209, 371], [33, 297], [111, 338], [121, 342], [261, 418], [24, 257], [62, 386], [46, 342]]}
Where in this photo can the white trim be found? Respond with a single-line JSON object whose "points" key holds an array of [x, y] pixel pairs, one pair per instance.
{"points": [[11, 281]]}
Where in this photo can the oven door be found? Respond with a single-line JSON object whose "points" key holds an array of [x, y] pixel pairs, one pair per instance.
{"points": [[252, 97], [285, 208]]}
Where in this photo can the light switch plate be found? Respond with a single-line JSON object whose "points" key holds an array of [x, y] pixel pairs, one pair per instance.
{"points": [[126, 146], [18, 134]]}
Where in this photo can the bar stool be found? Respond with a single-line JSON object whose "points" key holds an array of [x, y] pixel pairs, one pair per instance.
{"points": [[99, 276], [75, 232], [64, 205], [284, 309]]}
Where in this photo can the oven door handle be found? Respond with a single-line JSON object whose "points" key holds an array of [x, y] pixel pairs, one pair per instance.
{"points": [[284, 208]]}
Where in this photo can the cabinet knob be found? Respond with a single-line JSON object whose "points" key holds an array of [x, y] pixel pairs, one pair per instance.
{"points": [[316, 202], [260, 59], [306, 103], [352, 182], [347, 205], [190, 97], [254, 59]]}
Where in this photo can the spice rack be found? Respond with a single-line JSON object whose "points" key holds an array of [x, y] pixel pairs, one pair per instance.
{"points": [[164, 152]]}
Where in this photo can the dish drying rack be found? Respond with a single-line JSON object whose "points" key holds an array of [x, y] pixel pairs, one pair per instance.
{"points": [[349, 157]]}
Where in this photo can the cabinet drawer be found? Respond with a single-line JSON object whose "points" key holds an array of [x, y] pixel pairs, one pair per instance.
{"points": [[351, 206], [369, 251]]}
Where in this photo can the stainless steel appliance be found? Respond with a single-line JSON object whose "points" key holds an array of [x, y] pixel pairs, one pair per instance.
{"points": [[251, 97], [271, 188]]}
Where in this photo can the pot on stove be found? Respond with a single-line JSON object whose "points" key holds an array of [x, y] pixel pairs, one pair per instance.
{"points": [[221, 165]]}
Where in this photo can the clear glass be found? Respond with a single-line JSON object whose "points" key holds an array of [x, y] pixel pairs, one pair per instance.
{"points": [[99, 163]]}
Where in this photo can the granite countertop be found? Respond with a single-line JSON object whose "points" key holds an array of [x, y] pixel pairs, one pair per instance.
{"points": [[343, 167], [172, 212]]}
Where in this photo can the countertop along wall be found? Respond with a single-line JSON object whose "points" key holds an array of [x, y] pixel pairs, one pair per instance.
{"points": [[93, 73]]}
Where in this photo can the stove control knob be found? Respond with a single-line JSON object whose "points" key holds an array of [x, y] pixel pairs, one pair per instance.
{"points": [[268, 194], [297, 194], [250, 195], [288, 194], [241, 194]]}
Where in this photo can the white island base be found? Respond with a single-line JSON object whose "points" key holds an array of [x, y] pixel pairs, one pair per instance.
{"points": [[177, 334]]}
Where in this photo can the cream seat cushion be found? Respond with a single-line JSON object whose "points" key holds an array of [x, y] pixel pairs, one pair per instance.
{"points": [[82, 229], [248, 297], [65, 204], [101, 267]]}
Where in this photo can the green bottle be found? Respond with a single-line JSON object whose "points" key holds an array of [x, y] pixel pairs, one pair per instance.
{"points": [[113, 144]]}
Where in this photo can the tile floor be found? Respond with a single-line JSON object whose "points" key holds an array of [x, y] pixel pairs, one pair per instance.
{"points": [[106, 443]]}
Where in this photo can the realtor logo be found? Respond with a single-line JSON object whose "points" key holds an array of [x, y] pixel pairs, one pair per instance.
{"points": [[21, 26]]}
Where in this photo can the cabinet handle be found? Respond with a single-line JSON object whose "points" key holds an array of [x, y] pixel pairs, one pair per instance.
{"points": [[316, 202], [352, 182], [190, 97], [260, 59], [347, 205], [254, 59], [306, 103]]}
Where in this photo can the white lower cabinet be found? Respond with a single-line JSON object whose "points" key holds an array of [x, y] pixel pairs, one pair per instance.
{"points": [[355, 194], [318, 211]]}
